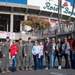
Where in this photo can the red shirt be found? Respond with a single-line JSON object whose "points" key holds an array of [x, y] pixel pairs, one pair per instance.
{"points": [[13, 50], [71, 43]]}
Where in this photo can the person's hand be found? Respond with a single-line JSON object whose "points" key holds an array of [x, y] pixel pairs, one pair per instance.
{"points": [[15, 52], [3, 56], [34, 54], [25, 55], [46, 52]]}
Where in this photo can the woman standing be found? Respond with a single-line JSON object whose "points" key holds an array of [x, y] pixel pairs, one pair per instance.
{"points": [[41, 55], [58, 52], [13, 52], [35, 52], [65, 52]]}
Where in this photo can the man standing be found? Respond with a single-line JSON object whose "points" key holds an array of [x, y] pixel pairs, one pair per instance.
{"points": [[5, 59], [71, 40], [20, 55], [53, 53], [28, 54], [48, 52]]}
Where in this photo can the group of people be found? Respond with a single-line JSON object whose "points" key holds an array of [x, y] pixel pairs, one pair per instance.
{"points": [[37, 51]]}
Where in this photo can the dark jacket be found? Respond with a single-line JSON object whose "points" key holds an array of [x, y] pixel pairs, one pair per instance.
{"points": [[48, 48], [71, 43], [59, 51]]}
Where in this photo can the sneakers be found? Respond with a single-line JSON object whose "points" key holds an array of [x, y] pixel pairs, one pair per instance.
{"points": [[22, 69], [18, 70], [30, 69], [3, 72], [59, 67], [7, 71], [46, 68], [26, 69]]}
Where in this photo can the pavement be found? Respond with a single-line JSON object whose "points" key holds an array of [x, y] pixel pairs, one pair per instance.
{"points": [[44, 72], [54, 71]]}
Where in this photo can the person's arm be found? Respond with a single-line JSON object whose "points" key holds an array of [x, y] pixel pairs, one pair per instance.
{"points": [[50, 47], [33, 50], [25, 47], [16, 50], [67, 46], [3, 49]]}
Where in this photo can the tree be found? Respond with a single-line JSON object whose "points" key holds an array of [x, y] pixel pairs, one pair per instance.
{"points": [[36, 22], [68, 20], [72, 10]]}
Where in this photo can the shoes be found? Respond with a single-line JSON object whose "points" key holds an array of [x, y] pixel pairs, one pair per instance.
{"points": [[46, 68], [7, 71], [22, 69], [30, 69], [59, 67], [3, 72], [26, 69], [18, 70]]}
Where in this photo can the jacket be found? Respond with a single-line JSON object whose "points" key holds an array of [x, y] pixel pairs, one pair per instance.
{"points": [[13, 50], [71, 43], [48, 48]]}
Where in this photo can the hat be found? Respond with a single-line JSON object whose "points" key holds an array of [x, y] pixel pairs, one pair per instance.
{"points": [[29, 38], [7, 37], [20, 38]]}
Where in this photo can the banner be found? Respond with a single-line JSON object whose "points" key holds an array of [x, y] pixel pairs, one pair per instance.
{"points": [[4, 34]]}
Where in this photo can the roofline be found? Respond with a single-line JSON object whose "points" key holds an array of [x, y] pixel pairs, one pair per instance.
{"points": [[19, 5]]}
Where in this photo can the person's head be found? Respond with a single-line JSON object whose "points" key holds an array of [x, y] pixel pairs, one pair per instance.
{"points": [[47, 39], [29, 40], [65, 39], [69, 36], [36, 42], [53, 40], [20, 40], [14, 42], [7, 39], [41, 43], [59, 40]]}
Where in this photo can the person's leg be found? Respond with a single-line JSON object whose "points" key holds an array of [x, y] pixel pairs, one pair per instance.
{"points": [[73, 60], [37, 61], [54, 55], [7, 63], [17, 63], [3, 64], [34, 57], [27, 62], [22, 63], [49, 61], [59, 61], [42, 61], [30, 62], [52, 61], [14, 63], [46, 59], [66, 61]]}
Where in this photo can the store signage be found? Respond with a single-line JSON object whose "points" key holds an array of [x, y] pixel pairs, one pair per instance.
{"points": [[65, 9], [4, 34]]}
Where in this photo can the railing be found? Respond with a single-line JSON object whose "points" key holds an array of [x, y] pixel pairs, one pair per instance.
{"points": [[63, 29]]}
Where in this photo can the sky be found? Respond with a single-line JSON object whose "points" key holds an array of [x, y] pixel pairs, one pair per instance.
{"points": [[70, 1]]}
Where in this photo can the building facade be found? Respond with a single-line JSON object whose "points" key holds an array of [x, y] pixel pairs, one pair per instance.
{"points": [[13, 12]]}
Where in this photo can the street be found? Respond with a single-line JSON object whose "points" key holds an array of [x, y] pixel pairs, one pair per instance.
{"points": [[44, 72]]}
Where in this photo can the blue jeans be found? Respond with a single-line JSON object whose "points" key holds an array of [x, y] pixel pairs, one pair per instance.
{"points": [[53, 57], [36, 61], [13, 62], [72, 59], [40, 62]]}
